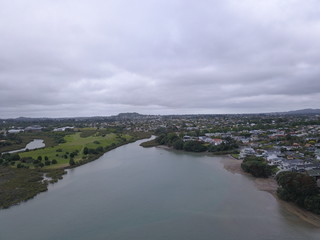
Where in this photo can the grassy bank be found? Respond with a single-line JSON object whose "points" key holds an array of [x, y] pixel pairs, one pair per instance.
{"points": [[73, 148], [17, 185], [20, 184], [151, 143]]}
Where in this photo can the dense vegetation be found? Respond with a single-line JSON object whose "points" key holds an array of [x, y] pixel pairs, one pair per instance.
{"points": [[228, 146], [150, 143], [22, 174], [18, 185], [300, 189], [70, 151], [256, 166], [173, 140]]}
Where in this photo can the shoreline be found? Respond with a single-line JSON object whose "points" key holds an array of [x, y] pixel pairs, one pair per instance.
{"points": [[55, 173], [270, 185]]}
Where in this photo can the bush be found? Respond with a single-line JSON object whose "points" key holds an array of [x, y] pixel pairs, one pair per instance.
{"points": [[20, 165], [300, 189], [178, 144], [11, 157], [72, 162], [194, 146], [312, 203], [256, 166], [99, 149], [35, 162], [297, 184], [85, 151]]}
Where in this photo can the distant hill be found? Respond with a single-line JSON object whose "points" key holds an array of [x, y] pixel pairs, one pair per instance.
{"points": [[130, 115], [304, 111], [135, 115]]}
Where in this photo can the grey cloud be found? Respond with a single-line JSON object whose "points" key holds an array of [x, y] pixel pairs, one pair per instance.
{"points": [[62, 58]]}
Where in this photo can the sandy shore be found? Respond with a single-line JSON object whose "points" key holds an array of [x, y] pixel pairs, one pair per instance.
{"points": [[164, 147], [270, 185]]}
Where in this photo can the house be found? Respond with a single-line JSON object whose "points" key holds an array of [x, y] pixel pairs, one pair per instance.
{"points": [[62, 129], [246, 151], [217, 141], [314, 173], [189, 138], [34, 128], [15, 130]]}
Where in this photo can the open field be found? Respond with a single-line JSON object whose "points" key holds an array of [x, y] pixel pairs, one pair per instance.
{"points": [[31, 174], [73, 148]]}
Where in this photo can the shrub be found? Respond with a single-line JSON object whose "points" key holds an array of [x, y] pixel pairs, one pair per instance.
{"points": [[256, 166], [72, 162]]}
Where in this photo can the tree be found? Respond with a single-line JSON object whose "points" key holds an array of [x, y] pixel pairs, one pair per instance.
{"points": [[85, 151], [296, 185], [72, 162], [99, 149], [161, 139], [15, 157], [36, 161], [178, 144], [256, 166], [312, 203], [194, 146]]}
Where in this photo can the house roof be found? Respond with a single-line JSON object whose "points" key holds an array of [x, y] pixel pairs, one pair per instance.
{"points": [[314, 173]]}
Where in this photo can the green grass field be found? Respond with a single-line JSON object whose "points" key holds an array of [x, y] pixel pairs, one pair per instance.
{"points": [[17, 183], [74, 143]]}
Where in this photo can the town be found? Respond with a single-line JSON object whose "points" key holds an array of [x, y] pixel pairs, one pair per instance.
{"points": [[283, 146], [291, 142]]}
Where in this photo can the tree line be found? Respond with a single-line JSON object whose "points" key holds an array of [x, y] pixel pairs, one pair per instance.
{"points": [[300, 189], [176, 142]]}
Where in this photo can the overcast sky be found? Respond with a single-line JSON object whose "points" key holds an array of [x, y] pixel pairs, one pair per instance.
{"points": [[63, 58]]}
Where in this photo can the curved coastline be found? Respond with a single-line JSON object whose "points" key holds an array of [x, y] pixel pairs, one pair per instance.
{"points": [[270, 185], [54, 175]]}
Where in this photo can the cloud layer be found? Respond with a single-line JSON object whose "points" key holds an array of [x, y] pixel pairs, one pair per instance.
{"points": [[81, 58]]}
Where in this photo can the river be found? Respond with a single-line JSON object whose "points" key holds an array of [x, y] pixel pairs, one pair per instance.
{"points": [[149, 194]]}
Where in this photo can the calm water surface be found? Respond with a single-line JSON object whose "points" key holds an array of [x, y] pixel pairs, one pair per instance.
{"points": [[34, 144], [145, 194]]}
